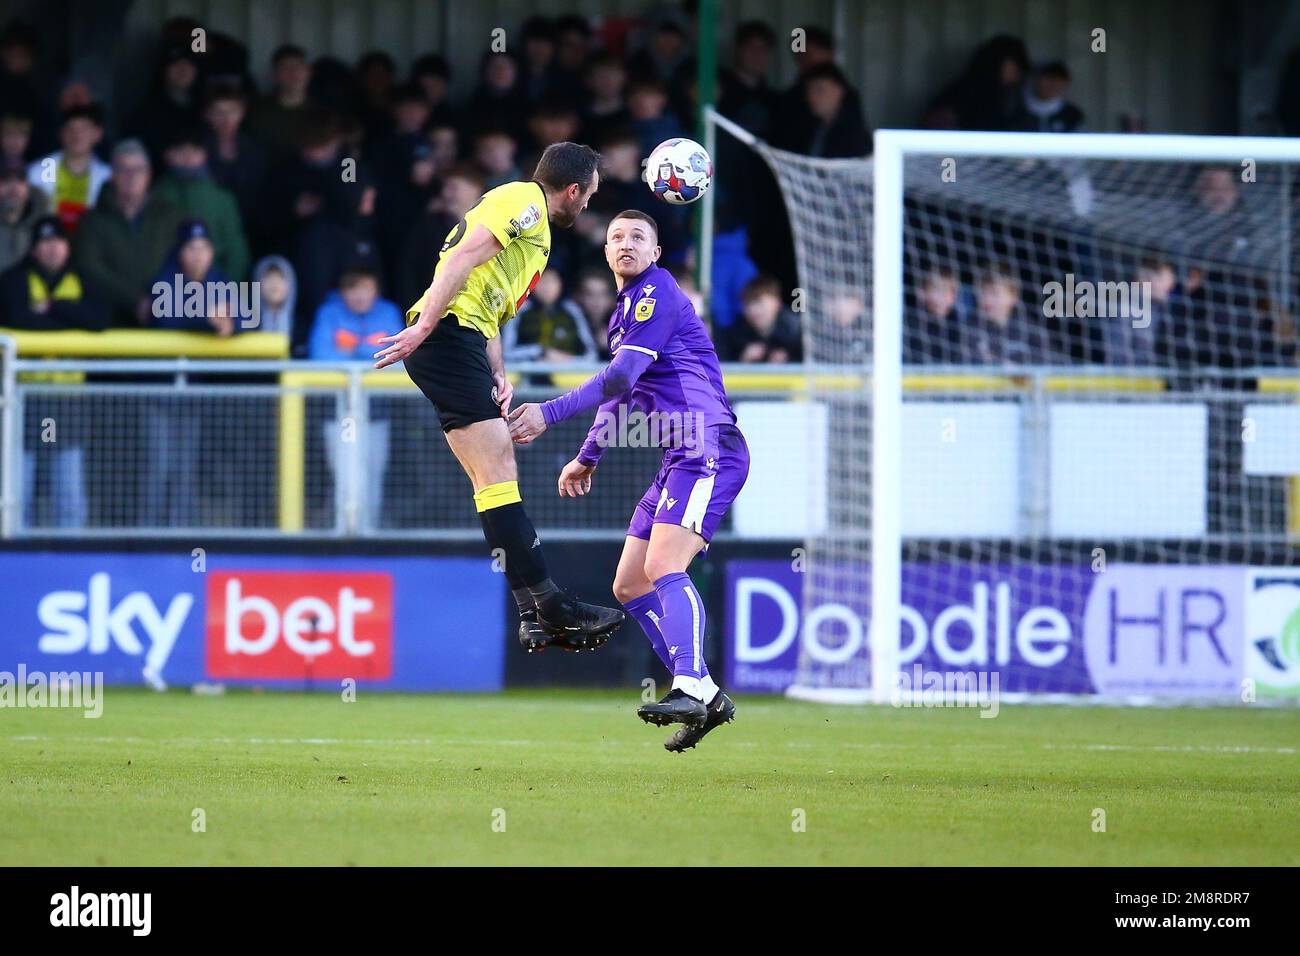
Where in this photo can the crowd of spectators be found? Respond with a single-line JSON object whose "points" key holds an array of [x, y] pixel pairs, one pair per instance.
{"points": [[337, 173]]}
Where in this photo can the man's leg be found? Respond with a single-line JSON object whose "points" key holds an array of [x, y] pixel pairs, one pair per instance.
{"points": [[669, 553], [485, 450], [637, 594]]}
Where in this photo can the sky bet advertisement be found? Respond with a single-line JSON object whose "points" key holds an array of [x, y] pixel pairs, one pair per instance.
{"points": [[1130, 631], [265, 620]]}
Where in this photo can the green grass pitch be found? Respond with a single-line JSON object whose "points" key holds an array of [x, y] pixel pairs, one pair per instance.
{"points": [[413, 779]]}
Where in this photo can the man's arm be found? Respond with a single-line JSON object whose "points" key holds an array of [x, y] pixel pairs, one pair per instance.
{"points": [[529, 421], [497, 361], [476, 248]]}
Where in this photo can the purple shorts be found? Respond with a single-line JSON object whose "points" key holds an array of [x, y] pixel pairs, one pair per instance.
{"points": [[695, 487]]}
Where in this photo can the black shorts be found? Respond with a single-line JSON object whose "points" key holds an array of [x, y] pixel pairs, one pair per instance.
{"points": [[451, 367]]}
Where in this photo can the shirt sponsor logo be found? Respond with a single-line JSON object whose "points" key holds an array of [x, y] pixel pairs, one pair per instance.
{"points": [[291, 624]]}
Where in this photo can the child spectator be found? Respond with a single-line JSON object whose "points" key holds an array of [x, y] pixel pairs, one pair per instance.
{"points": [[770, 332], [193, 260], [123, 240], [827, 122], [595, 295], [1150, 344], [606, 111], [277, 291], [461, 188], [73, 176], [647, 104], [934, 324], [15, 137], [1001, 332], [348, 327], [20, 208], [548, 327], [494, 151], [187, 184]]}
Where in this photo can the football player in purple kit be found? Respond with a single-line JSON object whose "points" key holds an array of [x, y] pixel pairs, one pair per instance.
{"points": [[664, 366]]}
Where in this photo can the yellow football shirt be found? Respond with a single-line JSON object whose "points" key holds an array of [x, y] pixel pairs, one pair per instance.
{"points": [[516, 214]]}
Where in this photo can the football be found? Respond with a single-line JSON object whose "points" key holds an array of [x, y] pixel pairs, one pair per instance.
{"points": [[679, 171]]}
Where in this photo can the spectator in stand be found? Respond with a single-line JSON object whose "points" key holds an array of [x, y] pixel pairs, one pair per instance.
{"points": [[498, 102], [732, 269], [845, 319], [43, 292], [20, 91], [538, 73], [20, 209], [445, 141], [934, 324], [192, 260], [462, 186], [281, 120], [1001, 332], [1047, 105], [989, 93], [15, 137], [666, 57], [621, 187], [605, 110], [174, 101], [818, 51], [187, 184], [647, 104], [548, 327], [827, 124], [348, 327], [551, 121], [432, 75], [126, 237], [237, 161], [277, 293], [595, 295], [174, 427], [744, 93], [377, 74], [770, 332], [405, 168], [73, 176], [1150, 344], [494, 151]]}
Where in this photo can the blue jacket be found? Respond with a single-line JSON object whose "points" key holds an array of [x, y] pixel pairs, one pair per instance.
{"points": [[340, 335]]}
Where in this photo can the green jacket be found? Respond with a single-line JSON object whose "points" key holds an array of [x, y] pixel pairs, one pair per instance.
{"points": [[204, 199], [118, 259]]}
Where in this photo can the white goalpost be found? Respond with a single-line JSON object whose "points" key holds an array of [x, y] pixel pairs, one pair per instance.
{"points": [[1070, 462]]}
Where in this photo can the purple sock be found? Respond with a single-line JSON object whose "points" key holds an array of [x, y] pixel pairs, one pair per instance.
{"points": [[647, 611], [682, 625]]}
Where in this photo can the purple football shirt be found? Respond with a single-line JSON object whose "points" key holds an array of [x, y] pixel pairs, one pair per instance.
{"points": [[673, 369]]}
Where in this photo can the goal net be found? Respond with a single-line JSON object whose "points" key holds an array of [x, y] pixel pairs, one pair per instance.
{"points": [[1067, 468]]}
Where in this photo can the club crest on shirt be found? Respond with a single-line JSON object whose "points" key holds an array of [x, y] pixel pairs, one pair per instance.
{"points": [[644, 309], [525, 220]]}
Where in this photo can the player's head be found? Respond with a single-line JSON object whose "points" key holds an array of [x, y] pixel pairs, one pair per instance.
{"points": [[569, 175], [632, 243]]}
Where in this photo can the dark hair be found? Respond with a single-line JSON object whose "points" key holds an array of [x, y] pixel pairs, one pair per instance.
{"points": [[1055, 69], [760, 285], [554, 107], [467, 171], [997, 273], [640, 216], [90, 111], [431, 64], [820, 37], [572, 23], [538, 28], [287, 51], [825, 71], [224, 91], [563, 164], [646, 83], [408, 92], [376, 58], [754, 30], [357, 272], [939, 271]]}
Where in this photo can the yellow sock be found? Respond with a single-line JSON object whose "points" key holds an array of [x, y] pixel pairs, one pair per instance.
{"points": [[496, 496]]}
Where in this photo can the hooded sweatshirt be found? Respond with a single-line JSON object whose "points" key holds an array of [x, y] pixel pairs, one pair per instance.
{"points": [[277, 319]]}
